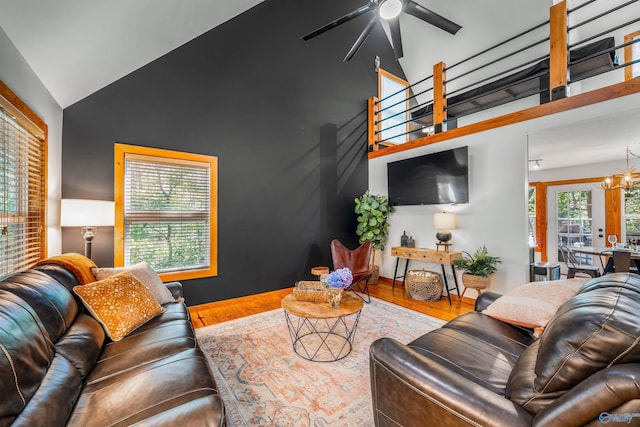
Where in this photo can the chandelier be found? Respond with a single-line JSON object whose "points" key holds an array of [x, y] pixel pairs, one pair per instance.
{"points": [[624, 179]]}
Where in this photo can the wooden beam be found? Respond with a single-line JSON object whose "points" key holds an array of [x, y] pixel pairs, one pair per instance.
{"points": [[558, 50], [372, 138], [439, 97], [541, 220]]}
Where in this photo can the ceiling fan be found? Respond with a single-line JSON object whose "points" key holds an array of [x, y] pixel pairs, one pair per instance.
{"points": [[388, 10]]}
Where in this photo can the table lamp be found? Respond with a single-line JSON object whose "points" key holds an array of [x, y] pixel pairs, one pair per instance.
{"points": [[443, 223], [87, 214]]}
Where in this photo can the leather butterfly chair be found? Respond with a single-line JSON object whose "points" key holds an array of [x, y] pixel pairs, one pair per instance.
{"points": [[357, 260]]}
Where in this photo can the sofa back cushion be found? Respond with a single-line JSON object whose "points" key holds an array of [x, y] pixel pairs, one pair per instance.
{"points": [[52, 302], [25, 355], [594, 330]]}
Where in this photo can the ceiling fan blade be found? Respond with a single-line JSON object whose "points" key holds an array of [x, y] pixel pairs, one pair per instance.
{"points": [[361, 38], [396, 37], [348, 17], [421, 12]]}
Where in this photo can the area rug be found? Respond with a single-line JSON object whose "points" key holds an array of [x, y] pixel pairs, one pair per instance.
{"points": [[264, 383]]}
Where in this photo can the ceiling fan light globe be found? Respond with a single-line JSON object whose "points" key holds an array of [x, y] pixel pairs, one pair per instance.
{"points": [[390, 9]]}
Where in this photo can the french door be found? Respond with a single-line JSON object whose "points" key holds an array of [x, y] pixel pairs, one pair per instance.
{"points": [[575, 218]]}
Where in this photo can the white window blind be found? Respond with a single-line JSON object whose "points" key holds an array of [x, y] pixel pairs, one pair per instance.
{"points": [[22, 189], [166, 213]]}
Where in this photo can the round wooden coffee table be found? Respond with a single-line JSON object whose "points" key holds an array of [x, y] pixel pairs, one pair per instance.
{"points": [[320, 333]]}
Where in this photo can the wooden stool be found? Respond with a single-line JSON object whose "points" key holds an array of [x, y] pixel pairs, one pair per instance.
{"points": [[319, 271]]}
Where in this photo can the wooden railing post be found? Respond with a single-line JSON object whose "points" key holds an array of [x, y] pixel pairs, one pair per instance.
{"points": [[558, 51], [439, 97], [372, 138]]}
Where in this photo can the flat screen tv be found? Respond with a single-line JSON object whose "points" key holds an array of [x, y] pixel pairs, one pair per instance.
{"points": [[433, 179]]}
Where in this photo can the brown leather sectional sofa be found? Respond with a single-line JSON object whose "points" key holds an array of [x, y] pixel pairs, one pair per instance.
{"points": [[476, 370], [57, 368]]}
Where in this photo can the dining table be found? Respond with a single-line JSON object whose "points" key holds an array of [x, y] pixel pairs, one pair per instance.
{"points": [[608, 252]]}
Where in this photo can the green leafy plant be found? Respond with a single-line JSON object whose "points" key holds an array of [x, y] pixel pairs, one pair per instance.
{"points": [[373, 211], [479, 264]]}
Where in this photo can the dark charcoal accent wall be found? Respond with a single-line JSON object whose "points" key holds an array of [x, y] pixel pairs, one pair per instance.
{"points": [[286, 119]]}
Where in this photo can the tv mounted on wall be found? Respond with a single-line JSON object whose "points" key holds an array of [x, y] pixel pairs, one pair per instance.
{"points": [[433, 179]]}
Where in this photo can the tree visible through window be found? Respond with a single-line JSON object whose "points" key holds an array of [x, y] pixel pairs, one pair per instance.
{"points": [[167, 211]]}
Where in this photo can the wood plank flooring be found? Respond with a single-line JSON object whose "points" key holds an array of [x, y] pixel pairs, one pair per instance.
{"points": [[222, 311]]}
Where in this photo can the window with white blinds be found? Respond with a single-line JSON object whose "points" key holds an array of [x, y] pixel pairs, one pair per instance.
{"points": [[168, 218], [22, 195]]}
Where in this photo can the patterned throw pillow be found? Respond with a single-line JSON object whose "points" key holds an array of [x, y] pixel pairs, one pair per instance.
{"points": [[121, 303], [145, 274]]}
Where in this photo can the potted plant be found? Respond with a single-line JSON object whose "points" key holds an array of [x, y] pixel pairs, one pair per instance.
{"points": [[477, 268], [373, 211]]}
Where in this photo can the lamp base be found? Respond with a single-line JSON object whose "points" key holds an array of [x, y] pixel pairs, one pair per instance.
{"points": [[444, 245]]}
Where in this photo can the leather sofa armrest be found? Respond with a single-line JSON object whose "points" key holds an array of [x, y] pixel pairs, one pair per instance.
{"points": [[410, 389], [175, 288], [485, 299], [603, 394]]}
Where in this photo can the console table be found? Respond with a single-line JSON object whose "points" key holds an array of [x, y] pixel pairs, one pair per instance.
{"points": [[427, 255]]}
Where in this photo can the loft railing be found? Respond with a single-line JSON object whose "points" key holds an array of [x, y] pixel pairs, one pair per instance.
{"points": [[539, 61]]}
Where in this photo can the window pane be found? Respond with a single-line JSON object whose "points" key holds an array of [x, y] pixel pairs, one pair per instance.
{"points": [[166, 210], [574, 220]]}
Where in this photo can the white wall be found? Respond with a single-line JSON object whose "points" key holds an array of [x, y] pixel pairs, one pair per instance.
{"points": [[496, 215], [18, 76]]}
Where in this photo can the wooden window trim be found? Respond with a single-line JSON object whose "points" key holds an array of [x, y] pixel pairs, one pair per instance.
{"points": [[120, 151], [628, 54], [28, 119]]}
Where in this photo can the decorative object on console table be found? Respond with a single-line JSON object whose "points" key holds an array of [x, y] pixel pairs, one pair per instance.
{"points": [[444, 222], [427, 255], [404, 240], [477, 269], [87, 214], [373, 211]]}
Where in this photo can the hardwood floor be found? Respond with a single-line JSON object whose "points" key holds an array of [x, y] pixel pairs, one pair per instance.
{"points": [[222, 311]]}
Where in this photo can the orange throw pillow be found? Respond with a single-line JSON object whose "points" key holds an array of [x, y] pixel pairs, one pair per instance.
{"points": [[120, 303]]}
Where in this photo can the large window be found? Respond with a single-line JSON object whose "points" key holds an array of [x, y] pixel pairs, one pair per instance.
{"points": [[22, 184], [393, 94], [166, 211]]}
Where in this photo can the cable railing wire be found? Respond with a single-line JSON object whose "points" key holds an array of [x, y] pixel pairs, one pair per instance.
{"points": [[603, 33], [499, 59], [517, 67], [580, 6], [600, 15], [406, 88], [404, 100], [626, 64], [498, 45]]}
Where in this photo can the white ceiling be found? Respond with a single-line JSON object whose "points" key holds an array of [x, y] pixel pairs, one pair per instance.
{"points": [[77, 47]]}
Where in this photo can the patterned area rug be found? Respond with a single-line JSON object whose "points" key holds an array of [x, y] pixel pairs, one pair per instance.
{"points": [[264, 383]]}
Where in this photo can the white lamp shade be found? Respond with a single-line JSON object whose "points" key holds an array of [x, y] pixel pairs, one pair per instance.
{"points": [[445, 221], [86, 213]]}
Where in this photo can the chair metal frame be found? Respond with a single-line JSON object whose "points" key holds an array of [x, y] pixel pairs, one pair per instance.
{"points": [[573, 266], [359, 275]]}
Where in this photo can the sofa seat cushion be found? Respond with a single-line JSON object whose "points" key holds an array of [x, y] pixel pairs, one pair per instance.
{"points": [[165, 335], [594, 330], [477, 347], [167, 385]]}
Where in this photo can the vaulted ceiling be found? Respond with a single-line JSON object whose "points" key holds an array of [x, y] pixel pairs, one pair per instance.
{"points": [[76, 47]]}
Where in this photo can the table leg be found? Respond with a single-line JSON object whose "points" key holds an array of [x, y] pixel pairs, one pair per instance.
{"points": [[406, 267], [446, 282], [455, 279], [395, 273]]}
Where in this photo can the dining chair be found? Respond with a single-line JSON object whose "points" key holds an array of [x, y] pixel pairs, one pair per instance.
{"points": [[621, 261], [574, 266], [357, 260]]}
